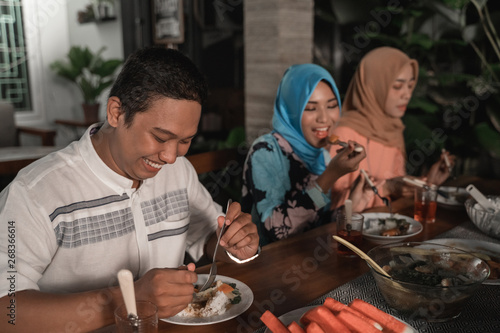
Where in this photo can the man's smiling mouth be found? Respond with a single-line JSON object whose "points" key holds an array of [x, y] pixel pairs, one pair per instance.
{"points": [[153, 164]]}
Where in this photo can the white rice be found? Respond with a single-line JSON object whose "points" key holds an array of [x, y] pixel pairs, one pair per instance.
{"points": [[216, 305]]}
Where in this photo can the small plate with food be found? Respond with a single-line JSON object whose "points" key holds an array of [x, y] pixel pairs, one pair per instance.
{"points": [[382, 228], [225, 299], [456, 196], [488, 251]]}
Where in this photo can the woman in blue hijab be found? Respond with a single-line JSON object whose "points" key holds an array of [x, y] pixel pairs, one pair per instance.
{"points": [[288, 173]]}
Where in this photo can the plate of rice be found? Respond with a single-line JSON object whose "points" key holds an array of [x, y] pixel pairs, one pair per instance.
{"points": [[226, 299], [384, 228]]}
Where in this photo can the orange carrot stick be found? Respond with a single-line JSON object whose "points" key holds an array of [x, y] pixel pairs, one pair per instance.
{"points": [[355, 323], [314, 328], [325, 319], [385, 319], [294, 327], [336, 306], [273, 323]]}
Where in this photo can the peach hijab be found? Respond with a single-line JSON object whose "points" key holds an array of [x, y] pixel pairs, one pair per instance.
{"points": [[364, 102]]}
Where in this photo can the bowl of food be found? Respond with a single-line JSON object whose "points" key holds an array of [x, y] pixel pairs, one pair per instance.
{"points": [[486, 221], [426, 280], [454, 197], [384, 228]]}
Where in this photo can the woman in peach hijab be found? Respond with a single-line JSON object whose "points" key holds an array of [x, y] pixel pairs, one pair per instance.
{"points": [[375, 101]]}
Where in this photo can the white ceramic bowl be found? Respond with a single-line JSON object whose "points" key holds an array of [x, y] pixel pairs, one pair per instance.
{"points": [[456, 196], [372, 228], [487, 222]]}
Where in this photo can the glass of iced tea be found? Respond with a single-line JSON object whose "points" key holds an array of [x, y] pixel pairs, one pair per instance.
{"points": [[350, 230], [146, 321], [425, 204]]}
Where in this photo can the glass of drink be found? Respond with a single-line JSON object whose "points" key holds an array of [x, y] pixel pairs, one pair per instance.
{"points": [[350, 230], [425, 204], [146, 322]]}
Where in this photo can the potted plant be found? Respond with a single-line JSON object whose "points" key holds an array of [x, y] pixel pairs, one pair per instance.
{"points": [[91, 73]]}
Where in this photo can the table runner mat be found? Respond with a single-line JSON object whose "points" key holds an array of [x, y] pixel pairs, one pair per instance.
{"points": [[481, 313], [467, 230]]}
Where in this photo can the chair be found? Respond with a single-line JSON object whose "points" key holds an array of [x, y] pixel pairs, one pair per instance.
{"points": [[220, 171], [13, 156], [213, 160]]}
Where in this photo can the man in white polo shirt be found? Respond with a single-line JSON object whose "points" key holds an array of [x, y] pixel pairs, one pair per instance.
{"points": [[123, 196]]}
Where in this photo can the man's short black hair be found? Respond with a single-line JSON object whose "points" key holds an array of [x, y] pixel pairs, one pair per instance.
{"points": [[155, 72]]}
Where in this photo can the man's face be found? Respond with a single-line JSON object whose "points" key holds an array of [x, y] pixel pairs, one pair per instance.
{"points": [[154, 138]]}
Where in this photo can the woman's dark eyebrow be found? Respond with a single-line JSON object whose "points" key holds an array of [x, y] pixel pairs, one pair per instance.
{"points": [[330, 100]]}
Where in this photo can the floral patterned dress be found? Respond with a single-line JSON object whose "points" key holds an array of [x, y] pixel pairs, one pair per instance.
{"points": [[280, 192]]}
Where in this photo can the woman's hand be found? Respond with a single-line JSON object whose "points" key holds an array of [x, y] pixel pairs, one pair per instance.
{"points": [[439, 171], [347, 160], [361, 194], [397, 188]]}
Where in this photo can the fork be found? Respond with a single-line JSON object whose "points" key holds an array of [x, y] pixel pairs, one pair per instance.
{"points": [[213, 269]]}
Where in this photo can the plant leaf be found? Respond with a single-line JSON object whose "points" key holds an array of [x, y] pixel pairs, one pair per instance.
{"points": [[488, 138], [88, 70]]}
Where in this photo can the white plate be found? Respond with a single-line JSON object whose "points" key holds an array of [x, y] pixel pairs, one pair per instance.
{"points": [[372, 230], [234, 311], [295, 315], [453, 193], [470, 245]]}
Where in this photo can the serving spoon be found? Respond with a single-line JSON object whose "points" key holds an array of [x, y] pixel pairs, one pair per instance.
{"points": [[362, 255], [480, 198]]}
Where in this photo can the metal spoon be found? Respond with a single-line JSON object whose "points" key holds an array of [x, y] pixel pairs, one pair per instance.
{"points": [[348, 215], [421, 183], [447, 161], [375, 190], [334, 140], [126, 281]]}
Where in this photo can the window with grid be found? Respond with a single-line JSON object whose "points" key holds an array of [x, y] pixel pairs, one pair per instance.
{"points": [[14, 76]]}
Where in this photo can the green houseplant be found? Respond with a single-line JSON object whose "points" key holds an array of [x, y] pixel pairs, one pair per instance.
{"points": [[91, 73]]}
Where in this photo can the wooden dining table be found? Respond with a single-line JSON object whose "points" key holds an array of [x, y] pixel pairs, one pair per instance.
{"points": [[291, 273]]}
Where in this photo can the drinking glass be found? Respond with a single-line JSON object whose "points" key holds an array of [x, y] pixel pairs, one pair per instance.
{"points": [[350, 230], [147, 321], [425, 204]]}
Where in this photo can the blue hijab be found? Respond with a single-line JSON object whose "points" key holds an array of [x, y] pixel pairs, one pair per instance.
{"points": [[296, 87]]}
